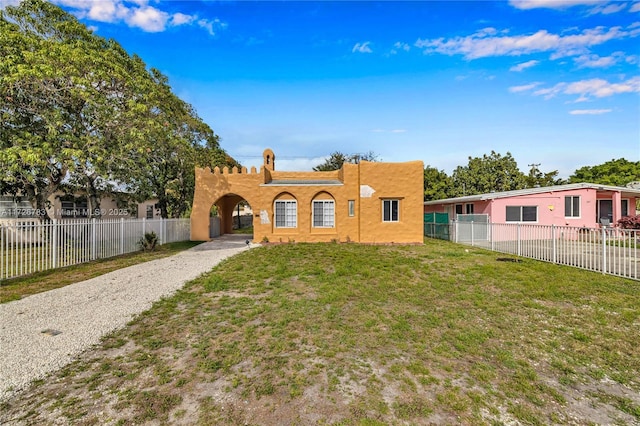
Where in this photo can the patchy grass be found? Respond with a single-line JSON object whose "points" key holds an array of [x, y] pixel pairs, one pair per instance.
{"points": [[17, 288], [364, 335]]}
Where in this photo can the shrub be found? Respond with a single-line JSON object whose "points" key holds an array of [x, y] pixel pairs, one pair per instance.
{"points": [[629, 222], [149, 241]]}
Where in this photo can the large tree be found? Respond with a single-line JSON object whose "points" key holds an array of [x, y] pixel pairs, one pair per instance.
{"points": [[80, 114], [618, 172], [337, 159], [489, 173]]}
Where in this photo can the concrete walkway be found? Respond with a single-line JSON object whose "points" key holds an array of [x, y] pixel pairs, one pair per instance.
{"points": [[46, 331]]}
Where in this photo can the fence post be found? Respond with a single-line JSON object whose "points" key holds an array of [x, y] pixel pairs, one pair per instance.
{"points": [[604, 250], [518, 238], [121, 235], [472, 239], [553, 244], [455, 223], [490, 229], [93, 238], [54, 245]]}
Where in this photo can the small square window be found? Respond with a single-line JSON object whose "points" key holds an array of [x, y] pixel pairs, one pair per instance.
{"points": [[390, 210]]}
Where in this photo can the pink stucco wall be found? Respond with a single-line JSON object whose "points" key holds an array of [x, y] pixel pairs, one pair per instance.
{"points": [[551, 208]]}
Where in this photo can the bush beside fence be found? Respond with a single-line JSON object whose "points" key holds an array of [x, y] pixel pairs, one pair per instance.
{"points": [[28, 246], [611, 251]]}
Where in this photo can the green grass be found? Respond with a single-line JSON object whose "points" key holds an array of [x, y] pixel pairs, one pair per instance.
{"points": [[365, 335], [17, 288]]}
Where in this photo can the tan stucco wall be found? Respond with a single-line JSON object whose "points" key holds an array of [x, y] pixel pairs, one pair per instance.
{"points": [[401, 181]]}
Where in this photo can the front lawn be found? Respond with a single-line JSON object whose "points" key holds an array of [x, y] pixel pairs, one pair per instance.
{"points": [[364, 335]]}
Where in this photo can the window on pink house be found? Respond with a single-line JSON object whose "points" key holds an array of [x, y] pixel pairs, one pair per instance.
{"points": [[572, 206], [624, 207], [522, 214]]}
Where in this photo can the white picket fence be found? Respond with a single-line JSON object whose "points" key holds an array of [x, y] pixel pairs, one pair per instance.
{"points": [[611, 251], [28, 246]]}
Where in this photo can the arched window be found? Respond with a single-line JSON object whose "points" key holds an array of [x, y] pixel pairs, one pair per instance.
{"points": [[323, 211], [285, 210]]}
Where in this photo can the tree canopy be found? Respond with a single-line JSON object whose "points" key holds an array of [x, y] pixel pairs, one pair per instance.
{"points": [[81, 115], [489, 173], [618, 172], [437, 184], [337, 159]]}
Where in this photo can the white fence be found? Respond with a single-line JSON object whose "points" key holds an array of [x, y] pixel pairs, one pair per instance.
{"points": [[608, 250], [28, 246]]}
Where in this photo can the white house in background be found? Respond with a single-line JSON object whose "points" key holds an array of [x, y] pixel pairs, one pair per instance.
{"points": [[579, 204], [62, 206]]}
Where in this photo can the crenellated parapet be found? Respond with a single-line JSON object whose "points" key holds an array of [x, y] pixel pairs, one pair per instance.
{"points": [[225, 170]]}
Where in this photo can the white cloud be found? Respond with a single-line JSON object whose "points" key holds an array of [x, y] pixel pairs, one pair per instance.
{"points": [[592, 88], [523, 66], [483, 44], [632, 59], [362, 47], [552, 4], [589, 111], [635, 7], [595, 61], [400, 46], [148, 19], [524, 87], [399, 131], [135, 13], [298, 164], [608, 9], [550, 92], [211, 25], [181, 19]]}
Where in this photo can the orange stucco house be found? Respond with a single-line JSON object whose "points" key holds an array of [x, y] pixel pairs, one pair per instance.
{"points": [[369, 202]]}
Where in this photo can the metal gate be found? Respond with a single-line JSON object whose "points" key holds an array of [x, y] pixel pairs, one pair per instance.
{"points": [[472, 227]]}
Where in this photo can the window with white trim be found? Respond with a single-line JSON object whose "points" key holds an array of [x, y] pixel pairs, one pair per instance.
{"points": [[323, 214], [390, 210], [286, 214], [572, 206], [522, 214], [469, 208]]}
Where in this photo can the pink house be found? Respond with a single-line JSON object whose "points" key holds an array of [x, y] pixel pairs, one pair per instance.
{"points": [[579, 204]]}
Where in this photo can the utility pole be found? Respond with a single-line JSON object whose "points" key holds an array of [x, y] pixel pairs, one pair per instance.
{"points": [[533, 173]]}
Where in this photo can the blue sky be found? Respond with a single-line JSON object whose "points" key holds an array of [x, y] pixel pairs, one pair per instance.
{"points": [[554, 82]]}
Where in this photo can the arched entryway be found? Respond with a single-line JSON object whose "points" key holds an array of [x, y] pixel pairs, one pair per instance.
{"points": [[233, 212]]}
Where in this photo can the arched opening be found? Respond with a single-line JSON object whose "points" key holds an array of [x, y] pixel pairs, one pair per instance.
{"points": [[231, 213]]}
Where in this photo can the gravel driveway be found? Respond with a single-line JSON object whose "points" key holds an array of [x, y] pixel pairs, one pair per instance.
{"points": [[44, 332]]}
